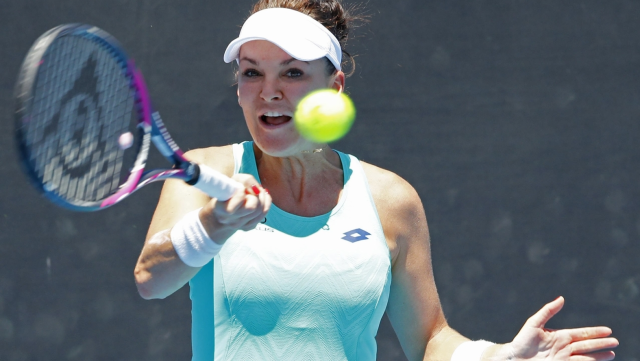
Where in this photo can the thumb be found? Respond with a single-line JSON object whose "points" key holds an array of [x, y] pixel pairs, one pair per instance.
{"points": [[546, 312]]}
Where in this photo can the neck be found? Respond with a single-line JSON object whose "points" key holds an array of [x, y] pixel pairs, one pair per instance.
{"points": [[307, 184]]}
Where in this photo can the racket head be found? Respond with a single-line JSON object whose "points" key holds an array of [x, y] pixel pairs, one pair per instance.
{"points": [[83, 118]]}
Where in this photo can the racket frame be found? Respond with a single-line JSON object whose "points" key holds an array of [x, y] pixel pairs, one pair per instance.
{"points": [[151, 127]]}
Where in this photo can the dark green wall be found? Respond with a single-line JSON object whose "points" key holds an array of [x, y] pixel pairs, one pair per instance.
{"points": [[516, 121]]}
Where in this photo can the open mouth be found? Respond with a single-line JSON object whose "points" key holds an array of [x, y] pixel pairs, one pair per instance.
{"points": [[275, 118]]}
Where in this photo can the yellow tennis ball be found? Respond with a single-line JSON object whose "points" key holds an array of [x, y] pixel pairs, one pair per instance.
{"points": [[324, 115]]}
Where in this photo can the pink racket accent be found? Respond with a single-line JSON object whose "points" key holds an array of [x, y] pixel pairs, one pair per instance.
{"points": [[126, 189], [139, 83], [132, 182]]}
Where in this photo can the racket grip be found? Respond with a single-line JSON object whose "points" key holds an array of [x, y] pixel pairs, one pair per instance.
{"points": [[215, 184]]}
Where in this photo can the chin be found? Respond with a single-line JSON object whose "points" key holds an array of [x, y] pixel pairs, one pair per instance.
{"points": [[278, 147]]}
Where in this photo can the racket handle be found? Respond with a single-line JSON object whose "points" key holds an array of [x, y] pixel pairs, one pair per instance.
{"points": [[214, 183]]}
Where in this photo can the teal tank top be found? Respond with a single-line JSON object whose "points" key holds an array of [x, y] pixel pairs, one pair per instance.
{"points": [[296, 288]]}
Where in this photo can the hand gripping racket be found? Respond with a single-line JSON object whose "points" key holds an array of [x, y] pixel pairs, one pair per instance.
{"points": [[84, 124]]}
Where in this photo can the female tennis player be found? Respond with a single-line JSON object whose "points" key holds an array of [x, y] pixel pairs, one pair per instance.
{"points": [[306, 269]]}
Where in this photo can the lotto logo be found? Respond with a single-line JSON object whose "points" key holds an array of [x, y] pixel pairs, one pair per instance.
{"points": [[356, 235]]}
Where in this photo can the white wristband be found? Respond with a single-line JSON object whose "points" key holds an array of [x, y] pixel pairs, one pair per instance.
{"points": [[471, 350], [191, 241]]}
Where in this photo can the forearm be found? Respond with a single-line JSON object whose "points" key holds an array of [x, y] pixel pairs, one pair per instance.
{"points": [[170, 258], [441, 346], [159, 271]]}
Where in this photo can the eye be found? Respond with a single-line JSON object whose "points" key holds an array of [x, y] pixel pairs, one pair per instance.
{"points": [[294, 73], [251, 73]]}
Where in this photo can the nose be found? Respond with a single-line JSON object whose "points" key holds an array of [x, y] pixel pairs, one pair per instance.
{"points": [[271, 91]]}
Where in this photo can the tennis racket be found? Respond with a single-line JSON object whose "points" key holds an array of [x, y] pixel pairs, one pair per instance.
{"points": [[84, 124]]}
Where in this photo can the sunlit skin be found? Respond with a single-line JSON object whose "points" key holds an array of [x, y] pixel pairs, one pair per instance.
{"points": [[302, 181], [270, 80], [308, 183]]}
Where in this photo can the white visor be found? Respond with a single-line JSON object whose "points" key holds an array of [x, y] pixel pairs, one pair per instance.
{"points": [[299, 35]]}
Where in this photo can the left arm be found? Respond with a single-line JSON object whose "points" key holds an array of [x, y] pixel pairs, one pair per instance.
{"points": [[414, 307]]}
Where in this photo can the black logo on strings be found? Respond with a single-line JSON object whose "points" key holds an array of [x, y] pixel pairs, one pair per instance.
{"points": [[76, 126]]}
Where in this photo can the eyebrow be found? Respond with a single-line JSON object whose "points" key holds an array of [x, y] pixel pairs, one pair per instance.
{"points": [[284, 63], [249, 60]]}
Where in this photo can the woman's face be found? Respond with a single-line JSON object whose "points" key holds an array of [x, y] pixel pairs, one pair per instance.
{"points": [[270, 85]]}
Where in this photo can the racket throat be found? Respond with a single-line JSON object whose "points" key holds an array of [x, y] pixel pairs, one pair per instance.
{"points": [[163, 141]]}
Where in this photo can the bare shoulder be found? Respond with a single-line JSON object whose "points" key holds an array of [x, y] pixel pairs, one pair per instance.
{"points": [[399, 207], [177, 198], [390, 191], [218, 158]]}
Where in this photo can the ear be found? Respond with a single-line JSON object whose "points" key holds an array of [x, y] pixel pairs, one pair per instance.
{"points": [[337, 81], [238, 93]]}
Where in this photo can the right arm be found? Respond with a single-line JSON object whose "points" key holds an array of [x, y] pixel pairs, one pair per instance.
{"points": [[159, 271]]}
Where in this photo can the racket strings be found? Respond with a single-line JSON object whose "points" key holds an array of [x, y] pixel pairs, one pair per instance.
{"points": [[81, 105]]}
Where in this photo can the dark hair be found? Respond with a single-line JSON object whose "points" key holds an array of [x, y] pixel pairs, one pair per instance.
{"points": [[329, 13]]}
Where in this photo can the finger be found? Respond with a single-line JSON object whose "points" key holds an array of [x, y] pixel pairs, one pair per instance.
{"points": [[251, 206], [251, 185], [253, 190], [546, 312], [261, 195], [599, 356], [586, 333], [589, 346], [246, 179], [245, 212], [233, 204], [229, 211], [266, 202], [259, 214]]}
